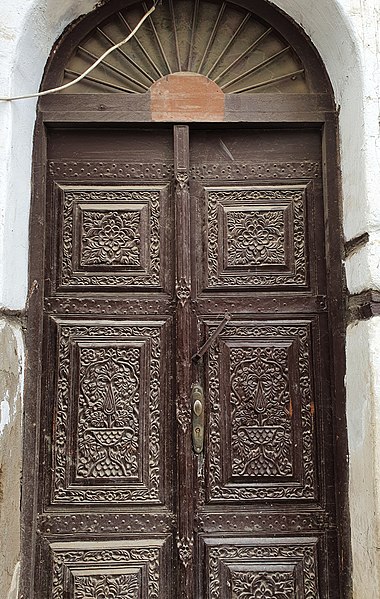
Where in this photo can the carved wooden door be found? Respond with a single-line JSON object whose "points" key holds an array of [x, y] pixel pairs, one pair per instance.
{"points": [[152, 237]]}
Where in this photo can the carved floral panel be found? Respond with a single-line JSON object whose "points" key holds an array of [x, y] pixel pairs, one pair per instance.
{"points": [[263, 585], [109, 412], [262, 568], [107, 570], [107, 394], [261, 413], [110, 237], [260, 405], [257, 237], [111, 587]]}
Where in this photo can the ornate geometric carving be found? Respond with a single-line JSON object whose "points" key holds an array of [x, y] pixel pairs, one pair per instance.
{"points": [[111, 570], [110, 237], [108, 415], [267, 411], [266, 522], [108, 306], [108, 522], [110, 587], [252, 170], [256, 237], [107, 399], [276, 569], [107, 170]]}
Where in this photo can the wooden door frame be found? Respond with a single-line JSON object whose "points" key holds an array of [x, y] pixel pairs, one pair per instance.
{"points": [[288, 110]]}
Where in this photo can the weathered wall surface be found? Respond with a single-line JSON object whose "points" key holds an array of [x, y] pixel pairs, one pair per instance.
{"points": [[346, 34], [11, 373]]}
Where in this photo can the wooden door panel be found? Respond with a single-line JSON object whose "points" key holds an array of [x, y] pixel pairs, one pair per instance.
{"points": [[261, 442], [132, 568], [110, 237], [256, 237], [110, 415], [255, 568], [142, 261]]}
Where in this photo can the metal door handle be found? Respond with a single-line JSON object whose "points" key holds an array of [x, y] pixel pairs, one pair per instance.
{"points": [[198, 417]]}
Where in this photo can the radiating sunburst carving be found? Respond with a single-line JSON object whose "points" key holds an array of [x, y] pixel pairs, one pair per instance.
{"points": [[219, 40]]}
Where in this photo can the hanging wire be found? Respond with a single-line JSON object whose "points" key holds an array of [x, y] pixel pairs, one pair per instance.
{"points": [[92, 67]]}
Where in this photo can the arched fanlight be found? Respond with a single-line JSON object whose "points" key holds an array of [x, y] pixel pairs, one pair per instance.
{"points": [[224, 42]]}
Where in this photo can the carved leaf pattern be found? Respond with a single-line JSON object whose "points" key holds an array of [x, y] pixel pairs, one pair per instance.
{"points": [[236, 554], [260, 423], [255, 238], [111, 239], [61, 491], [63, 561], [107, 587], [217, 277], [71, 278], [260, 491], [108, 419], [263, 585]]}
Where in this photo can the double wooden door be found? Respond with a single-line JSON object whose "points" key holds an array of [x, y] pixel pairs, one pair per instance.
{"points": [[186, 443]]}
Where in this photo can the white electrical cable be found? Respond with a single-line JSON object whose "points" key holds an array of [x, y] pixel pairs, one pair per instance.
{"points": [[91, 68]]}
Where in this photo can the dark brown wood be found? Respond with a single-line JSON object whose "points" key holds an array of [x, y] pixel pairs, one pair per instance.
{"points": [[122, 108], [336, 301], [355, 244], [249, 237], [183, 317], [142, 237], [364, 305], [244, 480]]}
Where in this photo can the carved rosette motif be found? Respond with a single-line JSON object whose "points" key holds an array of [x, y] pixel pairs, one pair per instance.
{"points": [[66, 562], [108, 415], [111, 239], [256, 238], [260, 419], [259, 463], [110, 587], [263, 584], [68, 333]]}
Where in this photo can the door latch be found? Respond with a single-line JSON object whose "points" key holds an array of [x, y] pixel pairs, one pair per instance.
{"points": [[213, 337], [198, 417]]}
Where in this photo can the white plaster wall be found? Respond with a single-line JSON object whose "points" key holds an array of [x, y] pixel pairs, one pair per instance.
{"points": [[346, 33], [363, 410]]}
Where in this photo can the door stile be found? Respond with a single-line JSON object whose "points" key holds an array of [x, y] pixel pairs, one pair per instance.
{"points": [[183, 319]]}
